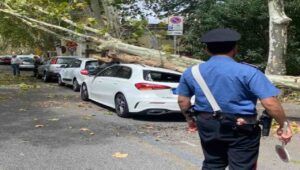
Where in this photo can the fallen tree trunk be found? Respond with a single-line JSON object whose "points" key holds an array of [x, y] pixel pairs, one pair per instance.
{"points": [[177, 63], [138, 54]]}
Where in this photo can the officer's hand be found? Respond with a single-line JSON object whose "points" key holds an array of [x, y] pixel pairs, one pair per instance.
{"points": [[285, 137], [192, 127]]}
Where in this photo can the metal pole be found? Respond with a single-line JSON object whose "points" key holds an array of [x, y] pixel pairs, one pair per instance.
{"points": [[175, 44]]}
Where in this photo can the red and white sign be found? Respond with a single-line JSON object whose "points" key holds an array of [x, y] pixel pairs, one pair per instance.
{"points": [[175, 26], [71, 45]]}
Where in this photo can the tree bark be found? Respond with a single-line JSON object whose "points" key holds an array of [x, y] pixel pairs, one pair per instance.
{"points": [[278, 24], [96, 12], [112, 18]]}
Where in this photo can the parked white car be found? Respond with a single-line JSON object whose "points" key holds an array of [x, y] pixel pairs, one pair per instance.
{"points": [[134, 88], [75, 73]]}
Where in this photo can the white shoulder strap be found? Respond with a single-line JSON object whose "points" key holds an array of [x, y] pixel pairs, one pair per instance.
{"points": [[198, 77]]}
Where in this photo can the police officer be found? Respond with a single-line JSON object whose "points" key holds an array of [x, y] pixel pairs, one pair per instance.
{"points": [[236, 88]]}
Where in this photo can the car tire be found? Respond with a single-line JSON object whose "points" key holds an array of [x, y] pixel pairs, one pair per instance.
{"points": [[84, 92], [76, 86], [121, 106], [59, 81], [46, 77]]}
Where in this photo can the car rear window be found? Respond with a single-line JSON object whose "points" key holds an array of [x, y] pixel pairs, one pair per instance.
{"points": [[91, 64], [157, 76], [92, 67], [65, 60], [27, 59]]}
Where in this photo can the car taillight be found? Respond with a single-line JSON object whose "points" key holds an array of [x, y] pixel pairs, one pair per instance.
{"points": [[148, 86], [53, 61], [84, 72]]}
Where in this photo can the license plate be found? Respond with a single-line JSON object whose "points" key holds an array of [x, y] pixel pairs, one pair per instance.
{"points": [[174, 91]]}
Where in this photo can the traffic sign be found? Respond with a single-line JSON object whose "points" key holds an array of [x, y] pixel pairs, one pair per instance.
{"points": [[175, 26]]}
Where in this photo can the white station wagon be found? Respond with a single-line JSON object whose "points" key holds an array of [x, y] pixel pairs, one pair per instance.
{"points": [[134, 89]]}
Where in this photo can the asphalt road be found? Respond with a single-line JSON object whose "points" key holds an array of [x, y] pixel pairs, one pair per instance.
{"points": [[48, 127]]}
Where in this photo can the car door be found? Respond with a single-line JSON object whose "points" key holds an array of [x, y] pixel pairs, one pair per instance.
{"points": [[119, 83], [102, 85], [75, 67]]}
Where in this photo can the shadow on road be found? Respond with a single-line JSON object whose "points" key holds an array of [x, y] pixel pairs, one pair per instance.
{"points": [[171, 117]]}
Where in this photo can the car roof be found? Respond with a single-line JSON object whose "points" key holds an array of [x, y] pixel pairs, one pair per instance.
{"points": [[146, 67], [24, 55]]}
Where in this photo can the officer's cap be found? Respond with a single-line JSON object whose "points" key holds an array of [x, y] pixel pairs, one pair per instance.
{"points": [[220, 35]]}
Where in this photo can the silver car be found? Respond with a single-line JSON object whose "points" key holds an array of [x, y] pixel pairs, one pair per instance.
{"points": [[27, 61], [50, 69]]}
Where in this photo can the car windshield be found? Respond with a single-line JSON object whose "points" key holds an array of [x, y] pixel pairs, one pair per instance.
{"points": [[27, 59], [65, 60], [157, 76]]}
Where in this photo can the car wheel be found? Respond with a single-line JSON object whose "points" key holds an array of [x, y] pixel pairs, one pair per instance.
{"points": [[76, 86], [84, 93], [59, 81], [121, 106], [46, 77]]}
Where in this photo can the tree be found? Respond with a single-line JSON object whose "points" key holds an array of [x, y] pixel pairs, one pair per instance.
{"points": [[57, 18], [278, 38]]}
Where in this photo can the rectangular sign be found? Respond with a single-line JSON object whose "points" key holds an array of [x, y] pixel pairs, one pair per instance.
{"points": [[175, 32]]}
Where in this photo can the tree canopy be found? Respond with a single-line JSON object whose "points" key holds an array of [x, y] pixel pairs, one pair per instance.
{"points": [[24, 23]]}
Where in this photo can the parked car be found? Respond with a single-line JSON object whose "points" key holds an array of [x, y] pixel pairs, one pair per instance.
{"points": [[27, 61], [77, 71], [5, 59], [52, 67], [134, 89]]}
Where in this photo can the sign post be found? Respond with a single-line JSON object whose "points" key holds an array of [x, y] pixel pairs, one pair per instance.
{"points": [[175, 28]]}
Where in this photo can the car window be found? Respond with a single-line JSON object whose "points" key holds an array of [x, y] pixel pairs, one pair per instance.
{"points": [[124, 72], [157, 76], [91, 66], [65, 61], [27, 59], [75, 64], [110, 72]]}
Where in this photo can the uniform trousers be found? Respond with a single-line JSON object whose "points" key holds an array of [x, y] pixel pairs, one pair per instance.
{"points": [[225, 144]]}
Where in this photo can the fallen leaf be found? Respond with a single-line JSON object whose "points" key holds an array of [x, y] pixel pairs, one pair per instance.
{"points": [[87, 117], [39, 126], [84, 129], [54, 119], [80, 105], [120, 155], [108, 113]]}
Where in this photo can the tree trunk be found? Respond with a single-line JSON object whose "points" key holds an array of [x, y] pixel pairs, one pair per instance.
{"points": [[112, 18], [96, 12], [277, 38]]}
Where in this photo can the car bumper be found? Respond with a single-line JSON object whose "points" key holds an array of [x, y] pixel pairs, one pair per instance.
{"points": [[156, 107], [26, 66]]}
